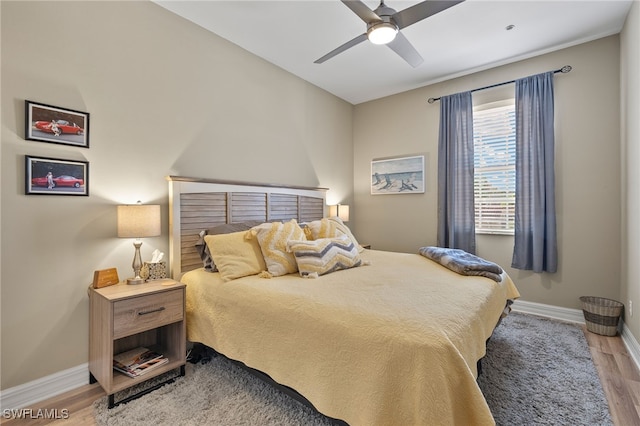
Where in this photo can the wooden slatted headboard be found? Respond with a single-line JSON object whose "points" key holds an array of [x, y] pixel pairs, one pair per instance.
{"points": [[197, 204]]}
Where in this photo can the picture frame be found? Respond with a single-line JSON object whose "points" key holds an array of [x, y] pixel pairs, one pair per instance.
{"points": [[52, 124], [54, 176], [399, 175]]}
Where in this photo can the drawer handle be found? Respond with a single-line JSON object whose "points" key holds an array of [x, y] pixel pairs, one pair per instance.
{"points": [[161, 308]]}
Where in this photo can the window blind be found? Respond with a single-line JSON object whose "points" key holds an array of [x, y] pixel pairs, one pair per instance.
{"points": [[494, 136]]}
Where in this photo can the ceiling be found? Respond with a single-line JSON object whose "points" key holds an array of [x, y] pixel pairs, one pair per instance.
{"points": [[466, 38]]}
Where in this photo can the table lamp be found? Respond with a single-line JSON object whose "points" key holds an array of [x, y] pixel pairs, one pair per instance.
{"points": [[340, 210], [138, 221]]}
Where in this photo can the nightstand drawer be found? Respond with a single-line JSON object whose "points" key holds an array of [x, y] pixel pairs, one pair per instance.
{"points": [[142, 313]]}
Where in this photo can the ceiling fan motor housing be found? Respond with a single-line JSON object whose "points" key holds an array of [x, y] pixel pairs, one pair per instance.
{"points": [[386, 22], [384, 11]]}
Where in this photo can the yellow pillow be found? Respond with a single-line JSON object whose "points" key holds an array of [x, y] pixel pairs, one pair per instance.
{"points": [[330, 227], [273, 238], [236, 255]]}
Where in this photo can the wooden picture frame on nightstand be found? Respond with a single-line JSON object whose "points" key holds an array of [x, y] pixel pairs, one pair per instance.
{"points": [[105, 278]]}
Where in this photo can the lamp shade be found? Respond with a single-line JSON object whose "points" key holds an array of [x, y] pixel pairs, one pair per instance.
{"points": [[341, 211], [138, 221]]}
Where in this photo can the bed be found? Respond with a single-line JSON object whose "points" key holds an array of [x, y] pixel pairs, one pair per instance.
{"points": [[388, 339]]}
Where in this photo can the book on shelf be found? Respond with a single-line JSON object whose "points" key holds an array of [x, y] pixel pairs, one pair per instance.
{"points": [[139, 361], [142, 368]]}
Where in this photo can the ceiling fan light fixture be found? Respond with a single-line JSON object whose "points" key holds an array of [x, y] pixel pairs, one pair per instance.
{"points": [[382, 33]]}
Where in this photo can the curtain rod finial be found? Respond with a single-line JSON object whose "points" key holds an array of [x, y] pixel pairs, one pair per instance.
{"points": [[431, 100], [566, 69]]}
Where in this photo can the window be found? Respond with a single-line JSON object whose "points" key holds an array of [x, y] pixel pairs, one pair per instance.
{"points": [[494, 138]]}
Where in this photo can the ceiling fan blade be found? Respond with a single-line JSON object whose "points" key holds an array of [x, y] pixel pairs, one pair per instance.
{"points": [[403, 47], [421, 11], [347, 45], [361, 9]]}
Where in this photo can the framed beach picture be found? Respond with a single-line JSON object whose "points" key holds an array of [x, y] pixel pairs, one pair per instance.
{"points": [[402, 175], [53, 176], [47, 123]]}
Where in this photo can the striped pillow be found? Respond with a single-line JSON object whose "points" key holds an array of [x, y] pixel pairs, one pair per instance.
{"points": [[330, 227], [273, 238], [325, 255]]}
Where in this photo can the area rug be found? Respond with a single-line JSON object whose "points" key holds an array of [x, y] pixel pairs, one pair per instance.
{"points": [[537, 372], [540, 372]]}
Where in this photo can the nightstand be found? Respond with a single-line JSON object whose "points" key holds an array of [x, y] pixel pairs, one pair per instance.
{"points": [[123, 317]]}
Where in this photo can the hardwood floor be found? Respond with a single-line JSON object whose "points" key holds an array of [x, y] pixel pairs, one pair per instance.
{"points": [[78, 402], [619, 376]]}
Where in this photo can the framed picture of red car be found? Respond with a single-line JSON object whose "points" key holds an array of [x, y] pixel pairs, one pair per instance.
{"points": [[48, 123], [53, 176]]}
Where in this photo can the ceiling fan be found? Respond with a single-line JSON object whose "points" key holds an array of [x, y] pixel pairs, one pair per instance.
{"points": [[384, 25]]}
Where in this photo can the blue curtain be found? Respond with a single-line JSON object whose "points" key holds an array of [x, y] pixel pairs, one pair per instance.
{"points": [[535, 246], [456, 216]]}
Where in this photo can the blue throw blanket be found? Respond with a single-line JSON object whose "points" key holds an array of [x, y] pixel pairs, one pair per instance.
{"points": [[462, 262]]}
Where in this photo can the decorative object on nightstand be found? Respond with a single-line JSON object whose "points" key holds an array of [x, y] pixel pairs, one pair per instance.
{"points": [[341, 211], [138, 221], [156, 269], [105, 277]]}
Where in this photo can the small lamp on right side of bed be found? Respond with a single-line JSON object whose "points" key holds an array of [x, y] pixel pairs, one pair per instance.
{"points": [[341, 211]]}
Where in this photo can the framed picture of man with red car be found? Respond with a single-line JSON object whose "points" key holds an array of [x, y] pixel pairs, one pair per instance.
{"points": [[53, 176], [48, 123]]}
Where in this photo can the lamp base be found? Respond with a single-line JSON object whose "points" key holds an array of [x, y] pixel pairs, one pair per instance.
{"points": [[137, 265], [136, 280]]}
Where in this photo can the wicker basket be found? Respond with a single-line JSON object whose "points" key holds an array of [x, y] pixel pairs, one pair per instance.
{"points": [[601, 315]]}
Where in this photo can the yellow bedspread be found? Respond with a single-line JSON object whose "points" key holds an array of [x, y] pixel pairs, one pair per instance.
{"points": [[395, 342]]}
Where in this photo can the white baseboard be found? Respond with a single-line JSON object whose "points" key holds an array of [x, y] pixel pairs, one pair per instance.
{"points": [[631, 343], [26, 395], [549, 311]]}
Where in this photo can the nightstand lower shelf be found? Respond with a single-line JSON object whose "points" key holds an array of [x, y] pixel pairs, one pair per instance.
{"points": [[111, 398]]}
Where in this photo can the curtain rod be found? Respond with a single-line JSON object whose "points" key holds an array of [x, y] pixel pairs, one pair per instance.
{"points": [[563, 70]]}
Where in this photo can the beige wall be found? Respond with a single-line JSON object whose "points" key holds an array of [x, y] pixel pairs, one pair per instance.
{"points": [[587, 171], [630, 124], [165, 97]]}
